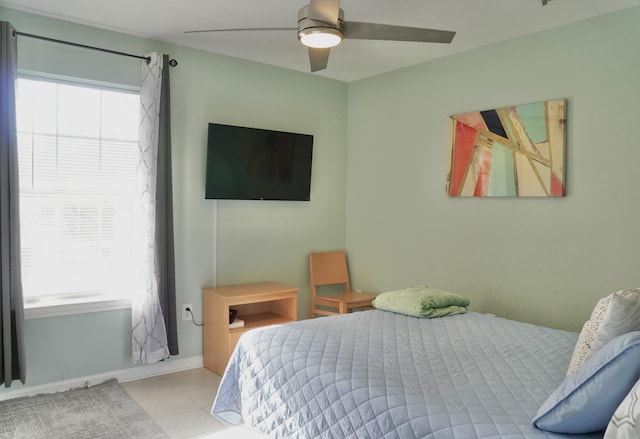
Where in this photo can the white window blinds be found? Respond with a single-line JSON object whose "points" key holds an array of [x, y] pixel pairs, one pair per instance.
{"points": [[78, 155]]}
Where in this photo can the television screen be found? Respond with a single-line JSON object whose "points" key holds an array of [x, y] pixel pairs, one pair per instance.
{"points": [[257, 164]]}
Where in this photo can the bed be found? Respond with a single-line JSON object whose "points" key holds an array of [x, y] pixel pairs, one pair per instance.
{"points": [[378, 374]]}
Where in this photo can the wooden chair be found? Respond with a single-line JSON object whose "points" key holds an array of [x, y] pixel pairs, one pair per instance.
{"points": [[330, 268]]}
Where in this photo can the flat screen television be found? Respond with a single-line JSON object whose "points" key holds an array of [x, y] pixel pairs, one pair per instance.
{"points": [[257, 164]]}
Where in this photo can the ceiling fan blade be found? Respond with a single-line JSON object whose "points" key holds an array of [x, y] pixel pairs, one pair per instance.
{"points": [[249, 29], [318, 58], [324, 10], [375, 31]]}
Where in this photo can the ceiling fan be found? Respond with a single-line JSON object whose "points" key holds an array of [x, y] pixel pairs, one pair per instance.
{"points": [[321, 26]]}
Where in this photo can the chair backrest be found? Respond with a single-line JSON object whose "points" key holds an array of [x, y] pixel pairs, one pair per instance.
{"points": [[328, 268]]}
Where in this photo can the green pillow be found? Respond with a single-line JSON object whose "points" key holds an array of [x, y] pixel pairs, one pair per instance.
{"points": [[422, 302]]}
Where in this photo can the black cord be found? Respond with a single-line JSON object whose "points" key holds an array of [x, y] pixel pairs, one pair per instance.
{"points": [[192, 319]]}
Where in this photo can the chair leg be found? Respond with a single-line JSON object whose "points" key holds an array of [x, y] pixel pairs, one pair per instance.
{"points": [[342, 308]]}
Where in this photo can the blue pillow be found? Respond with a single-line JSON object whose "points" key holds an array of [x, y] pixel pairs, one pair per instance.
{"points": [[586, 400]]}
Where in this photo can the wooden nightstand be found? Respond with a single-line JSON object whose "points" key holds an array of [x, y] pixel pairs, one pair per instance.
{"points": [[258, 304]]}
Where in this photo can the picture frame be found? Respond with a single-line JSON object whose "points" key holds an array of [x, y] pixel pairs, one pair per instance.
{"points": [[516, 151]]}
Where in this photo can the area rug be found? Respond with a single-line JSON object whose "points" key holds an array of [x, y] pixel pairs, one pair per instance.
{"points": [[104, 411]]}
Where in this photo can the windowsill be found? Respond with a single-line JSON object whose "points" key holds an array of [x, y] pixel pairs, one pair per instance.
{"points": [[56, 308]]}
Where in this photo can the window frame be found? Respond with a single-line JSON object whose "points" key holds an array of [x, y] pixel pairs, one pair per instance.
{"points": [[55, 307]]}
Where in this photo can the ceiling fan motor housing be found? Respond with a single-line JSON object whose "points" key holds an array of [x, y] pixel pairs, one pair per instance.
{"points": [[308, 26]]}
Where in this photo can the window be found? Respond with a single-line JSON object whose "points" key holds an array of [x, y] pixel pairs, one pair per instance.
{"points": [[78, 153]]}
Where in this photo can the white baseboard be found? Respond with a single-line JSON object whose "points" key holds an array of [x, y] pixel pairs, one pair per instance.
{"points": [[123, 375]]}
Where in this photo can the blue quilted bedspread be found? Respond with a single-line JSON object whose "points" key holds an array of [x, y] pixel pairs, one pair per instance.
{"points": [[376, 374]]}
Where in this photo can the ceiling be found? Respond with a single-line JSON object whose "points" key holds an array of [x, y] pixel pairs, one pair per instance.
{"points": [[477, 23]]}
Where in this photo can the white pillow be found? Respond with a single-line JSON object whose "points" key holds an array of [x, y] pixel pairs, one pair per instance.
{"points": [[625, 423], [582, 347], [587, 335], [622, 316], [599, 311]]}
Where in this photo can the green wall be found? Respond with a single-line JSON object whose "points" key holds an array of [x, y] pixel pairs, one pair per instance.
{"points": [[545, 261], [255, 240]]}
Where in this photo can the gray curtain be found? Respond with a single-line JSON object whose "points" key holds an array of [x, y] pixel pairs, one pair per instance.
{"points": [[12, 356], [164, 217], [153, 307]]}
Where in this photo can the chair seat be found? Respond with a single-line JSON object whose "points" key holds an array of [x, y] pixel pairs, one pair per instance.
{"points": [[348, 298], [343, 302]]}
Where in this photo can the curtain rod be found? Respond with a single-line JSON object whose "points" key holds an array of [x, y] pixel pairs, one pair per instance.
{"points": [[172, 62]]}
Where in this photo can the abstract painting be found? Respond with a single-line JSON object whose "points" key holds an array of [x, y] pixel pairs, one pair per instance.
{"points": [[508, 152]]}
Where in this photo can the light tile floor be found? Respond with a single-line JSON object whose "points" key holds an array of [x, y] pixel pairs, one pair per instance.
{"points": [[181, 402]]}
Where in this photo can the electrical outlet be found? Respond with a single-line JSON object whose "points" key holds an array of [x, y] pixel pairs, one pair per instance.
{"points": [[186, 315]]}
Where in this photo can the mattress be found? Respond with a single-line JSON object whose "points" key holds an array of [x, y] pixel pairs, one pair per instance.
{"points": [[377, 374]]}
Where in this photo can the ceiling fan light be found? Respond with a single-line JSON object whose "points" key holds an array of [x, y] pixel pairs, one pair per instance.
{"points": [[320, 38]]}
